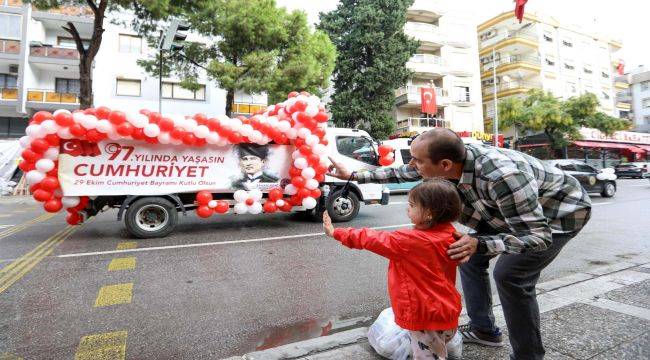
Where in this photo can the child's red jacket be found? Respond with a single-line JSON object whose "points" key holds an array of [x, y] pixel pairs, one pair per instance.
{"points": [[421, 277]]}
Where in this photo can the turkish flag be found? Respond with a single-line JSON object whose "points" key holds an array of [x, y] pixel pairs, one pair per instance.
{"points": [[76, 147], [428, 99], [519, 9], [620, 67]]}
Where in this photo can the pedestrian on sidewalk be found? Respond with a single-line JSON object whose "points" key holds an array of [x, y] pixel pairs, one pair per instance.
{"points": [[421, 277], [518, 207]]}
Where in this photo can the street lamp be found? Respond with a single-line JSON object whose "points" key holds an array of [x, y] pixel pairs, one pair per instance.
{"points": [[167, 42]]}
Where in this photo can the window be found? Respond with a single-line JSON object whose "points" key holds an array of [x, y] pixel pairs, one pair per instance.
{"points": [[646, 119], [571, 88], [587, 70], [461, 93], [10, 26], [605, 95], [566, 167], [604, 74], [550, 61], [8, 81], [68, 42], [12, 127], [406, 154], [646, 103], [488, 35], [128, 87], [67, 86], [569, 66], [584, 168], [130, 44], [175, 91], [358, 148], [645, 85], [548, 37], [567, 43]]}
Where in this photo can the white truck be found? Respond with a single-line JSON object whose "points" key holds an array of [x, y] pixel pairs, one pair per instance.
{"points": [[150, 185]]}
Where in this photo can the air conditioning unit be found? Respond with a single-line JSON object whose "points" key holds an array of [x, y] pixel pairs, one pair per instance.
{"points": [[13, 68]]}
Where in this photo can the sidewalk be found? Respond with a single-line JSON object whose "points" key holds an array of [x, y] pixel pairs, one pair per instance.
{"points": [[600, 314]]}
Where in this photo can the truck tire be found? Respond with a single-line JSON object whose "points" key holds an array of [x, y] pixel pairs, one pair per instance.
{"points": [[609, 190], [342, 209], [151, 217]]}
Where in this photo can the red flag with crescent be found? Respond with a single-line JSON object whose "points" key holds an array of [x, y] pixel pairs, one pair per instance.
{"points": [[519, 9], [428, 99], [620, 67]]}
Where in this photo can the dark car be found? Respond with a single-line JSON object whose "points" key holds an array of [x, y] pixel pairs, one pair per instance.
{"points": [[632, 169], [592, 179]]}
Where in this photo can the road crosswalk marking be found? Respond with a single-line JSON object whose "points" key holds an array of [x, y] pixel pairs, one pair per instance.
{"points": [[114, 295], [104, 346]]}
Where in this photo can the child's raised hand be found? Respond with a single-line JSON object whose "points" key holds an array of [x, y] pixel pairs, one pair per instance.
{"points": [[327, 225]]}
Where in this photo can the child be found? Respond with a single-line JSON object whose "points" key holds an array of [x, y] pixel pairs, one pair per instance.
{"points": [[421, 277]]}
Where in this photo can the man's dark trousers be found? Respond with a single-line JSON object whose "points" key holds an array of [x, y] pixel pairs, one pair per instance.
{"points": [[515, 276]]}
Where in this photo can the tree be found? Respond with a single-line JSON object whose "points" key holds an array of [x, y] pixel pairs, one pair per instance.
{"points": [[372, 53], [257, 47], [155, 9]]}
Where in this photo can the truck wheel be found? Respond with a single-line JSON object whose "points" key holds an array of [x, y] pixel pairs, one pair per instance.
{"points": [[342, 209], [609, 190], [151, 217]]}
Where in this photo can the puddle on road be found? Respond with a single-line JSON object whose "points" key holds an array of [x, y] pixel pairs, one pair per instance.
{"points": [[306, 330]]}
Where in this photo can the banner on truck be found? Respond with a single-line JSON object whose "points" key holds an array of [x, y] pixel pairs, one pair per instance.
{"points": [[134, 168]]}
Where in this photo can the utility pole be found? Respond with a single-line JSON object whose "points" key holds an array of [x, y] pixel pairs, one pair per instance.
{"points": [[160, 72], [495, 123]]}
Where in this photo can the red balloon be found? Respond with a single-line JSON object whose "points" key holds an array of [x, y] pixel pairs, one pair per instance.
{"points": [[102, 112], [73, 218], [177, 134], [54, 172], [295, 200], [292, 94], [53, 139], [270, 207], [64, 119], [203, 197], [213, 124], [282, 139], [53, 205], [151, 140], [50, 183], [222, 207], [298, 181], [294, 171], [286, 207], [305, 150], [155, 117], [275, 194], [320, 169], [204, 211], [201, 119], [316, 193], [138, 134], [200, 142], [90, 111], [320, 177], [189, 139], [30, 155], [385, 161], [166, 124], [125, 129], [94, 135], [83, 201], [303, 193], [320, 132], [384, 150], [42, 195], [303, 117], [39, 146], [321, 117], [313, 159], [26, 166], [300, 105], [116, 117], [41, 116], [250, 201], [324, 141], [299, 142], [234, 138], [77, 130], [145, 112]]}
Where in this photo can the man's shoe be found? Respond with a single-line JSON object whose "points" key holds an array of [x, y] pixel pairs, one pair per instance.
{"points": [[472, 335]]}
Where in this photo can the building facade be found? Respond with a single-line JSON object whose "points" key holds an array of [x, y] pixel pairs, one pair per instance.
{"points": [[447, 59], [542, 53], [39, 70], [639, 80]]}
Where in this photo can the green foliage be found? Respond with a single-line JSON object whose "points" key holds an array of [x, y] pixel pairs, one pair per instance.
{"points": [[372, 53]]}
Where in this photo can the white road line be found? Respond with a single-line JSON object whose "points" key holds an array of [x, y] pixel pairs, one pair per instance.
{"points": [[6, 226], [210, 243], [603, 203]]}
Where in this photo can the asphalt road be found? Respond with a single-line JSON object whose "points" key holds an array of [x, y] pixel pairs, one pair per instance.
{"points": [[226, 285]]}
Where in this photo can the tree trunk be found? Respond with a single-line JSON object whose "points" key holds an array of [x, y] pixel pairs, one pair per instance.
{"points": [[230, 99], [85, 83]]}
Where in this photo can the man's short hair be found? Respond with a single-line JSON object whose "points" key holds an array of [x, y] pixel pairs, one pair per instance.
{"points": [[261, 151], [444, 144]]}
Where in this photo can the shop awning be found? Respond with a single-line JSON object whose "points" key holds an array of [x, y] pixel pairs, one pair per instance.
{"points": [[604, 145], [644, 147]]}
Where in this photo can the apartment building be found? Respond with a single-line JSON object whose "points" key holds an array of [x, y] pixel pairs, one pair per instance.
{"points": [[639, 80], [39, 70], [542, 53], [447, 58]]}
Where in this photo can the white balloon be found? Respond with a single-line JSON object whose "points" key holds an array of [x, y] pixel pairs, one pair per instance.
{"points": [[312, 140], [49, 126], [270, 108], [292, 133], [113, 134], [104, 126], [176, 141], [151, 130], [279, 203], [51, 154], [201, 131], [41, 133], [295, 154], [311, 110], [256, 208], [64, 133], [255, 136], [313, 100], [309, 202], [34, 176], [240, 208], [139, 120], [164, 138], [256, 194], [272, 120], [213, 138], [282, 114], [78, 117], [222, 142], [300, 163], [32, 130], [44, 165], [311, 184], [24, 141], [89, 122], [247, 129], [290, 189], [61, 111], [240, 196], [294, 116], [70, 201], [304, 132], [190, 125], [212, 204], [308, 172], [319, 149]]}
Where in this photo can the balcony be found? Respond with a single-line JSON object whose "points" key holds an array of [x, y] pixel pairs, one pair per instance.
{"points": [[429, 35], [410, 96], [65, 12], [409, 124], [246, 108], [8, 94], [509, 38], [42, 55], [425, 10], [623, 105], [51, 100], [427, 65], [15, 3], [509, 88], [9, 49], [621, 85], [531, 63]]}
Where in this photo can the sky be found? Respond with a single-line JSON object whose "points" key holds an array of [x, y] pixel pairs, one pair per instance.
{"points": [[622, 19]]}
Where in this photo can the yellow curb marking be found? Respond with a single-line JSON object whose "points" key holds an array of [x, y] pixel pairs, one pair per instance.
{"points": [[125, 263], [17, 269], [114, 294], [25, 225], [105, 346], [127, 245]]}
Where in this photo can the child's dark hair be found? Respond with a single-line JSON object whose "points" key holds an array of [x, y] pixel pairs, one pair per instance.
{"points": [[440, 198]]}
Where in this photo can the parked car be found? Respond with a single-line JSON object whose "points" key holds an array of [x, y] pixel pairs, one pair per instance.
{"points": [[632, 169], [602, 182]]}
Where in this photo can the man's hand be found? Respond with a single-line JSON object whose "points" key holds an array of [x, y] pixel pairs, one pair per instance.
{"points": [[327, 225], [338, 170], [463, 248]]}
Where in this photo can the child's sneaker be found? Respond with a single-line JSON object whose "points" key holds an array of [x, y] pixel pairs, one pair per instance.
{"points": [[472, 335]]}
